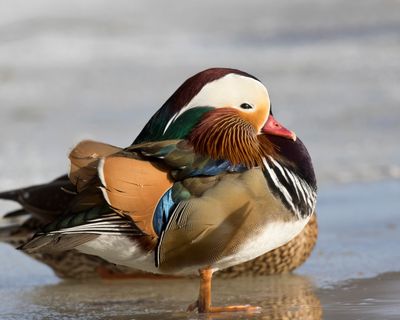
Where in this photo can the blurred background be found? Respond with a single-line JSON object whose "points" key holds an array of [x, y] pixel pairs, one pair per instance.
{"points": [[71, 70]]}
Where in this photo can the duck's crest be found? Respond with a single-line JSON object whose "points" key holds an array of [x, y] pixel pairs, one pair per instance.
{"points": [[155, 128]]}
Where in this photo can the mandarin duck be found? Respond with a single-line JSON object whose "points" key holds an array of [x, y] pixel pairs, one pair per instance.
{"points": [[43, 203], [212, 181]]}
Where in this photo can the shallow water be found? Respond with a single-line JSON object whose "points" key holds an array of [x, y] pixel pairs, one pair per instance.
{"points": [[99, 69], [370, 298]]}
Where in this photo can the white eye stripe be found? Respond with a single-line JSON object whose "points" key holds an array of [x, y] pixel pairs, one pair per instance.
{"points": [[231, 90]]}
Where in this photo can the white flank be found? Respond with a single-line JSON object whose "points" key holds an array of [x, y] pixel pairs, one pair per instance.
{"points": [[120, 250], [272, 236]]}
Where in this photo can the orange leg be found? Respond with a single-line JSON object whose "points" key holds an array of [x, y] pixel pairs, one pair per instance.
{"points": [[203, 304]]}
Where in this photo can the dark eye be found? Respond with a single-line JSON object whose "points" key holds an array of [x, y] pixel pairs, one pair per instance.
{"points": [[246, 106]]}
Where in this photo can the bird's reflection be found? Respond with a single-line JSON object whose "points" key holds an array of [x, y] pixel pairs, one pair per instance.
{"points": [[287, 296], [290, 297]]}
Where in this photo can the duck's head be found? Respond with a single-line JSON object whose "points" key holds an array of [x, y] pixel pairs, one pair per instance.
{"points": [[221, 112]]}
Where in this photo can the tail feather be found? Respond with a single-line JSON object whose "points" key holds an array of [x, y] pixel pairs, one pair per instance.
{"points": [[70, 232], [10, 195], [44, 201], [56, 242]]}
